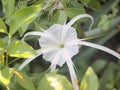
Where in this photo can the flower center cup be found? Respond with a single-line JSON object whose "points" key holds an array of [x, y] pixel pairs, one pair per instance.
{"points": [[61, 45]]}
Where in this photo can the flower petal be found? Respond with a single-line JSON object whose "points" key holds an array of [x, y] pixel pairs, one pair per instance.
{"points": [[55, 30], [68, 34], [100, 48], [49, 36], [52, 36], [56, 57], [79, 17], [32, 33], [52, 67], [73, 75], [29, 60], [72, 50], [72, 42]]}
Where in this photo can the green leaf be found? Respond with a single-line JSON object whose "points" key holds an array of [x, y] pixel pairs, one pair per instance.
{"points": [[59, 17], [8, 6], [5, 72], [76, 4], [23, 29], [21, 50], [105, 22], [23, 16], [25, 82], [89, 81], [54, 81], [108, 76], [21, 5], [1, 44], [72, 12], [4, 80], [3, 28], [99, 64], [94, 4]]}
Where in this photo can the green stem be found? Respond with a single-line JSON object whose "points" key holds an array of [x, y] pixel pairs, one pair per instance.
{"points": [[37, 26], [9, 40], [13, 61], [95, 36]]}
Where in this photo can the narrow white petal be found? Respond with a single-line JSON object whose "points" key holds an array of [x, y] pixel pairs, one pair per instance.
{"points": [[71, 70], [73, 75], [44, 34], [52, 67], [32, 33], [29, 60], [100, 47], [79, 17]]}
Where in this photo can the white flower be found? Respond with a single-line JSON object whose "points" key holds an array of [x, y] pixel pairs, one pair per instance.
{"points": [[60, 43]]}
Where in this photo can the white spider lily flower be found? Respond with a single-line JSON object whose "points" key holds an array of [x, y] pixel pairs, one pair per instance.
{"points": [[60, 43]]}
